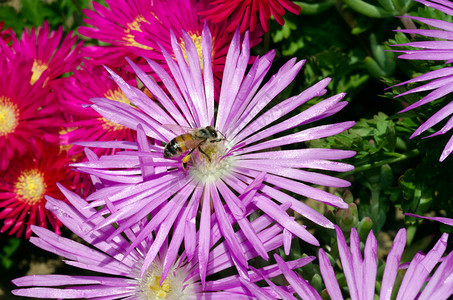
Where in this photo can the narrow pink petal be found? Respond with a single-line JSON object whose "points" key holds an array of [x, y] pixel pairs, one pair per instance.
{"points": [[427, 55], [347, 264], [68, 293], [440, 284], [328, 275], [434, 119], [226, 98], [229, 93], [447, 221], [206, 48], [357, 261], [204, 234], [392, 263], [417, 273], [369, 267], [447, 150], [60, 280], [300, 285]]}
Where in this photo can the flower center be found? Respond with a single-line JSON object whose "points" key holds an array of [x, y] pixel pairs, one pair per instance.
{"points": [[175, 286], [196, 39], [135, 25], [38, 68], [208, 169], [8, 116], [30, 186]]}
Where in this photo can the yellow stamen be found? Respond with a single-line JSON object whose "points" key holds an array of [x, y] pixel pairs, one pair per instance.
{"points": [[196, 39], [115, 95], [9, 116], [30, 186], [161, 291], [38, 68], [135, 25]]}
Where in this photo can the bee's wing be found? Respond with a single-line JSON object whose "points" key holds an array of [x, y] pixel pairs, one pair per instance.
{"points": [[178, 129]]}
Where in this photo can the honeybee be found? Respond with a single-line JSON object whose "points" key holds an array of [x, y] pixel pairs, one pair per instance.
{"points": [[191, 141]]}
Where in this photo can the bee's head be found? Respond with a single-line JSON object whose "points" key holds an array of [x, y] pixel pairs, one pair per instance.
{"points": [[212, 131]]}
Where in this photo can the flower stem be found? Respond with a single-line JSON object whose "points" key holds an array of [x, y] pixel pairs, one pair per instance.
{"points": [[391, 160]]}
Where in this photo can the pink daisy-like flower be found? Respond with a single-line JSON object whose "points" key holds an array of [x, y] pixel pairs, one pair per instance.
{"points": [[247, 14], [86, 124], [25, 113], [119, 274], [48, 52], [117, 24], [24, 184], [243, 167], [140, 28], [360, 272], [440, 81]]}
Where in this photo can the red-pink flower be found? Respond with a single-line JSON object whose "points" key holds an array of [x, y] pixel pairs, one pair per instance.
{"points": [[247, 14], [24, 184], [86, 124], [25, 113]]}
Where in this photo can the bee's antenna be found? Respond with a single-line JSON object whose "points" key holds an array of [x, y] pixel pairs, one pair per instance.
{"points": [[224, 137]]}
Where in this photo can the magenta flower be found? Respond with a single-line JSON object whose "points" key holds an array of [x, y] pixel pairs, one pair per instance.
{"points": [[48, 52], [25, 113], [139, 28], [85, 124], [246, 170], [119, 274], [360, 272], [440, 81]]}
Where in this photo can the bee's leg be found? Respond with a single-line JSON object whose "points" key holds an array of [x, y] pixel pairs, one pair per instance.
{"points": [[216, 141], [185, 160], [205, 154]]}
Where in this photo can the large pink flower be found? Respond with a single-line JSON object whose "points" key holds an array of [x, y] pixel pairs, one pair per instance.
{"points": [[25, 113], [139, 29], [249, 169]]}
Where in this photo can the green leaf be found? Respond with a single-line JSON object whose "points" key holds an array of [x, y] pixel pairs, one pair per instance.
{"points": [[367, 9]]}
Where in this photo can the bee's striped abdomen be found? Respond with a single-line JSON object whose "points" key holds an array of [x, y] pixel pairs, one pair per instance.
{"points": [[177, 145]]}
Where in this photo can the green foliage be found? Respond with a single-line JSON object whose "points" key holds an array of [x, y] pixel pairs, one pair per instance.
{"points": [[8, 249], [32, 13]]}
